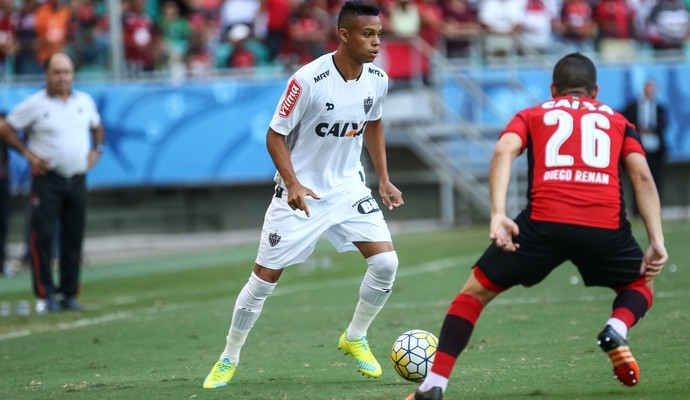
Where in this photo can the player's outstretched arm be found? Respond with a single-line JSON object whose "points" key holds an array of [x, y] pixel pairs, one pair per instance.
{"points": [[502, 228], [376, 146], [280, 154], [650, 210]]}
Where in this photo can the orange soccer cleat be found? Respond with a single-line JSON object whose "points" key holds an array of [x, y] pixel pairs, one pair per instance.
{"points": [[625, 367]]}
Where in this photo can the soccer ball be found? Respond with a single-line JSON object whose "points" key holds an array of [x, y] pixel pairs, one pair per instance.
{"points": [[413, 353]]}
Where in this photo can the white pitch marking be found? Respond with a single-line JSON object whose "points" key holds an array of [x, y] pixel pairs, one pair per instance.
{"points": [[80, 323]]}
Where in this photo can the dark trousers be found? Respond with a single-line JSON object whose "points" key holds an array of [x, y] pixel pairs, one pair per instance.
{"points": [[57, 199]]}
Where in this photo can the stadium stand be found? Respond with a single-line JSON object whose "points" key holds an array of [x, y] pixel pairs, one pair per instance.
{"points": [[196, 36]]}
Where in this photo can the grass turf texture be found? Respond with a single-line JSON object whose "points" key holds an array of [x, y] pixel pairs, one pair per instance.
{"points": [[154, 327]]}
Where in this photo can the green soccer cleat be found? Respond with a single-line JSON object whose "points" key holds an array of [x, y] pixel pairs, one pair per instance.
{"points": [[220, 375], [359, 349]]}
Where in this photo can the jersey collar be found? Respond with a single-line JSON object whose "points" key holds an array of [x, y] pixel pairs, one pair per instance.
{"points": [[340, 73]]}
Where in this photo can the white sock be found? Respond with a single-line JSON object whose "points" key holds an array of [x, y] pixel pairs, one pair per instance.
{"points": [[619, 326], [364, 316], [433, 380], [374, 291], [233, 344], [248, 308]]}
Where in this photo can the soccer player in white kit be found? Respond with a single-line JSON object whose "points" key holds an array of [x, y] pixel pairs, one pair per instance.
{"points": [[329, 108]]}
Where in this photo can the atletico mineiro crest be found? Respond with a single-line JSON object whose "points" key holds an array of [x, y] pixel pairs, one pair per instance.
{"points": [[273, 239], [368, 103]]}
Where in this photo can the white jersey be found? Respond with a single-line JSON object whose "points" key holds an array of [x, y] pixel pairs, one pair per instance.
{"points": [[324, 116]]}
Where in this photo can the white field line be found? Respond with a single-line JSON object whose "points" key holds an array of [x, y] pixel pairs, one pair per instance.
{"points": [[280, 291], [436, 265], [80, 323]]}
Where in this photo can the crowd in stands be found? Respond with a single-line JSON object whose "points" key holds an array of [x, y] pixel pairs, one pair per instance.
{"points": [[199, 36]]}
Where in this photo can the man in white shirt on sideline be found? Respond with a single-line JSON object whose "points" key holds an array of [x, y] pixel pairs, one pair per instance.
{"points": [[65, 140]]}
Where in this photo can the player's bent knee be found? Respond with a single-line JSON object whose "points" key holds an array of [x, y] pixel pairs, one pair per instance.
{"points": [[254, 294], [480, 288], [382, 268]]}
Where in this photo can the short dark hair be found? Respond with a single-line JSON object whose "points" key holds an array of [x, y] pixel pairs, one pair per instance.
{"points": [[353, 9], [574, 71]]}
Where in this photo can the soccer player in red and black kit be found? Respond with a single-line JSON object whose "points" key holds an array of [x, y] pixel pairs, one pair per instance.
{"points": [[575, 212]]}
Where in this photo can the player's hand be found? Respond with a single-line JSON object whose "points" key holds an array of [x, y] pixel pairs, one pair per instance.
{"points": [[297, 197], [653, 261], [502, 231], [38, 164], [390, 195]]}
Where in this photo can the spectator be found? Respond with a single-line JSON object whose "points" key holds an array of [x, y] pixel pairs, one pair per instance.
{"points": [[175, 30], [462, 27], [244, 51], [89, 41], [199, 58], [25, 60], [433, 26], [233, 12], [8, 27], [65, 138], [310, 32], [642, 10], [160, 53], [616, 20], [650, 119], [537, 26], [207, 8], [501, 21], [576, 26], [52, 28], [669, 26], [405, 21], [277, 14], [137, 29]]}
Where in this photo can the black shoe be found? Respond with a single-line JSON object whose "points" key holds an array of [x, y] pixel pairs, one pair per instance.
{"points": [[54, 306], [435, 393], [70, 304], [625, 368], [609, 339]]}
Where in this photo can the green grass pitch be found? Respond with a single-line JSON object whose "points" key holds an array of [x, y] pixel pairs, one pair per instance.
{"points": [[154, 327]]}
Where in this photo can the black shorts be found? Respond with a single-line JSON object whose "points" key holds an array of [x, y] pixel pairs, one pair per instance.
{"points": [[604, 257]]}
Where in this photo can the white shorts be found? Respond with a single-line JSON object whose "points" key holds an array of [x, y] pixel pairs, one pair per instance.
{"points": [[288, 237]]}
